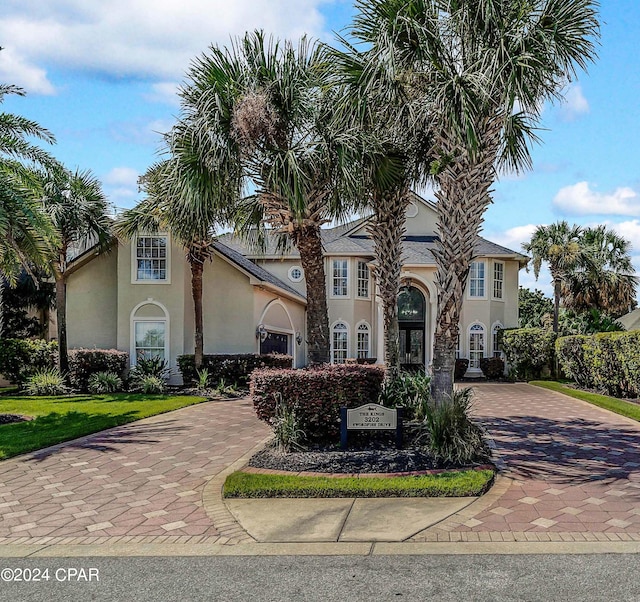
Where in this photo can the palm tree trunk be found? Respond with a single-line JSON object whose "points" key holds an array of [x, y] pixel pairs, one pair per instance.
{"points": [[197, 268], [557, 290], [387, 231], [463, 196], [61, 308], [309, 244]]}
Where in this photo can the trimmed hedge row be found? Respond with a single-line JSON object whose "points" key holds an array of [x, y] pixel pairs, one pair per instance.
{"points": [[529, 351], [233, 369], [315, 394], [85, 362], [20, 358], [608, 361]]}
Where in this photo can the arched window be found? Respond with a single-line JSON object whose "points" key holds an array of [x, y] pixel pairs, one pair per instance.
{"points": [[339, 343], [363, 341], [411, 305], [149, 331], [495, 346], [477, 345]]}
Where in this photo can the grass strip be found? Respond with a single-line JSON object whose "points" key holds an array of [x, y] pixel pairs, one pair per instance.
{"points": [[619, 406], [447, 484], [59, 419]]}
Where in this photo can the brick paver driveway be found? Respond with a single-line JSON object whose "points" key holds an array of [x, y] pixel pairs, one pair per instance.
{"points": [[139, 482], [573, 471]]}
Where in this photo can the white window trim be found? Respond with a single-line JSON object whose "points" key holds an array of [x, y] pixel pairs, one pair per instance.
{"points": [[296, 267], [363, 323], [493, 275], [134, 259], [495, 325], [368, 297], [484, 351], [348, 295], [333, 326], [486, 282], [132, 330]]}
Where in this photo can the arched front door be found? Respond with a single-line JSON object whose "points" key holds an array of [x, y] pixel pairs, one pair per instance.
{"points": [[411, 319]]}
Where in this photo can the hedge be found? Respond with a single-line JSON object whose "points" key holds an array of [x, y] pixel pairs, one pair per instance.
{"points": [[20, 358], [608, 362], [316, 394], [529, 351], [492, 367], [85, 362], [233, 369]]}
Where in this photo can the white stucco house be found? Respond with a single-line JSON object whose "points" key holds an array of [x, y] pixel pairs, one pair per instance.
{"points": [[137, 298]]}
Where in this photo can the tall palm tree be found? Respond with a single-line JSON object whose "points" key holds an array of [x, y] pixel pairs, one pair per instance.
{"points": [[78, 211], [483, 70], [23, 227], [270, 101], [166, 208], [607, 282], [560, 246]]}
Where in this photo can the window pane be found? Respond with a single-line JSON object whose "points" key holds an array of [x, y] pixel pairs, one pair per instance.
{"points": [[151, 258], [149, 339]]}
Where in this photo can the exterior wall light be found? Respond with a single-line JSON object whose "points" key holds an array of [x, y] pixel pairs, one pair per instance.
{"points": [[261, 333]]}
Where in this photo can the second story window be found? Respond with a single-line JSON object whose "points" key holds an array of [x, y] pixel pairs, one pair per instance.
{"points": [[498, 280], [340, 278], [363, 280], [151, 257], [477, 279]]}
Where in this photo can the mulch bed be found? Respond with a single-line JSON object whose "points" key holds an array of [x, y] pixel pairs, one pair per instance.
{"points": [[10, 418]]}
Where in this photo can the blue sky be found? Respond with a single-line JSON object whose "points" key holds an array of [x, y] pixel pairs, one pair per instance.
{"points": [[102, 77]]}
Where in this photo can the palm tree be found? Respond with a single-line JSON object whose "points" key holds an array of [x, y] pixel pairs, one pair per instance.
{"points": [[165, 208], [23, 227], [482, 70], [561, 247], [78, 211], [270, 102]]}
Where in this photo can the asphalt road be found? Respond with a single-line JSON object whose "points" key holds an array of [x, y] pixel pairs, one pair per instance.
{"points": [[355, 578]]}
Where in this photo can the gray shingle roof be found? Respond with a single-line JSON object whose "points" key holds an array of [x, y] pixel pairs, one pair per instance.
{"points": [[253, 269]]}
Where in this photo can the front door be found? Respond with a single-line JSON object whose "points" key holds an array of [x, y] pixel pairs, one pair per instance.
{"points": [[412, 347], [275, 343]]}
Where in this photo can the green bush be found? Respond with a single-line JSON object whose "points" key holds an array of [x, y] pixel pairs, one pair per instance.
{"points": [[492, 367], [20, 358], [46, 381], [315, 394], [85, 362], [150, 385], [231, 368], [286, 427], [101, 383], [410, 391], [454, 438], [608, 362], [147, 373], [461, 367], [529, 351]]}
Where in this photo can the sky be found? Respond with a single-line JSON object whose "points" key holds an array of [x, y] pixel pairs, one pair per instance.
{"points": [[102, 76]]}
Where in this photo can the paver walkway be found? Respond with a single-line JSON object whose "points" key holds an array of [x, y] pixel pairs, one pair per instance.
{"points": [[573, 472], [141, 482]]}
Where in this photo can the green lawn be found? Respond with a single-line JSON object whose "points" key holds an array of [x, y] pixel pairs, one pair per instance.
{"points": [[447, 484], [619, 406], [59, 419]]}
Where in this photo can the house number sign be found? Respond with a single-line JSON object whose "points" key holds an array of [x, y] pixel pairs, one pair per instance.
{"points": [[370, 417]]}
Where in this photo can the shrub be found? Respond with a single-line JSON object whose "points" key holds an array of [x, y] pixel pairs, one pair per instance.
{"points": [[410, 391], [608, 361], [316, 394], [20, 358], [101, 383], [460, 368], [150, 385], [453, 436], [529, 351], [492, 367], [85, 362], [148, 372], [232, 368], [286, 427], [46, 381]]}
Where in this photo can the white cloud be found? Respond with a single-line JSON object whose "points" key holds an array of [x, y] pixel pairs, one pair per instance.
{"points": [[575, 104], [629, 230], [164, 92], [15, 70], [122, 176], [580, 199], [514, 237], [148, 39]]}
